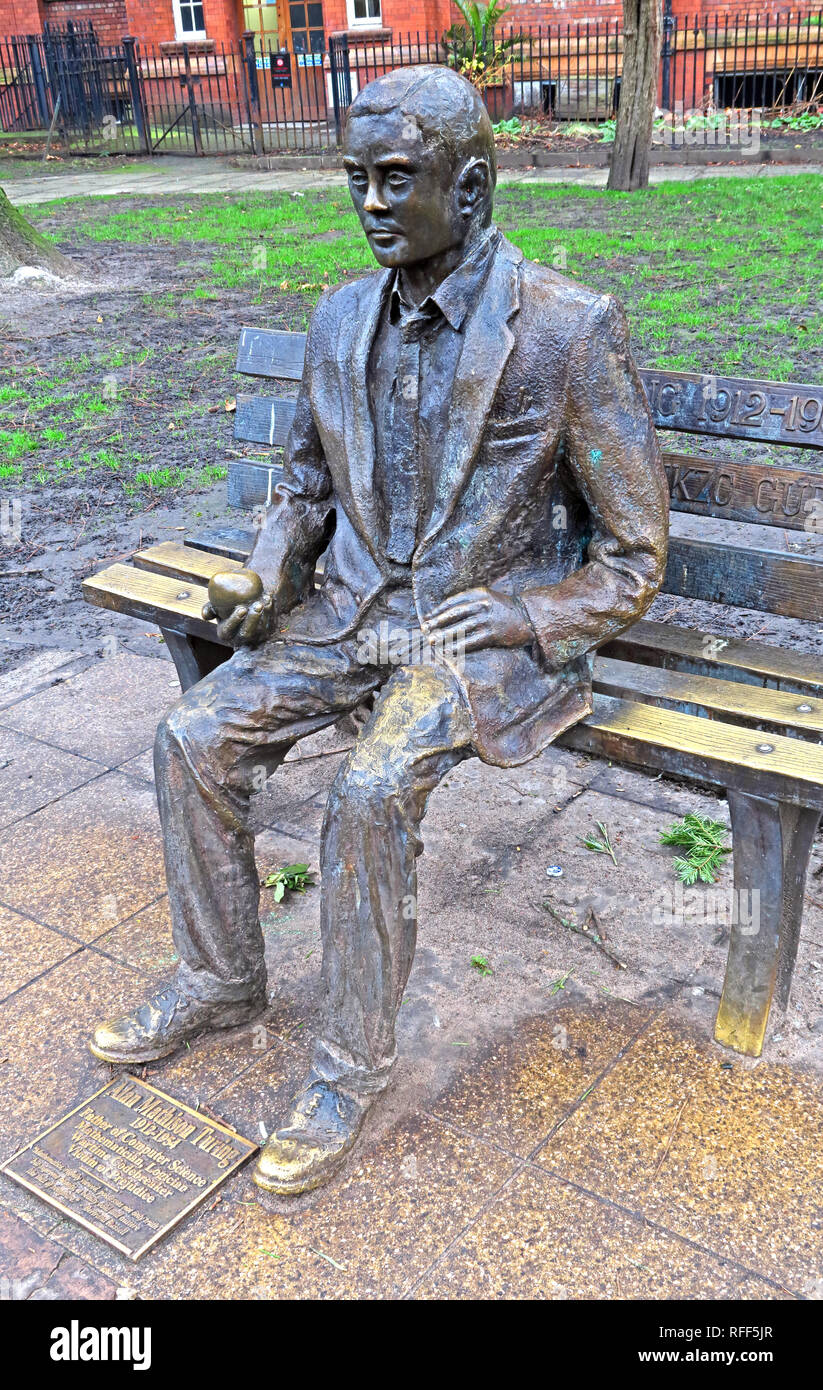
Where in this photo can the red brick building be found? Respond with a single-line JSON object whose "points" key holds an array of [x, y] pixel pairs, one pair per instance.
{"points": [[304, 25], [574, 75]]}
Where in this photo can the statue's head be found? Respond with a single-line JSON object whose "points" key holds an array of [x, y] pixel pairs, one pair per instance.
{"points": [[419, 152]]}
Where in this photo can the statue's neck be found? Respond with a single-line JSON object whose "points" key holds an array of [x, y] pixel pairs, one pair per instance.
{"points": [[420, 280]]}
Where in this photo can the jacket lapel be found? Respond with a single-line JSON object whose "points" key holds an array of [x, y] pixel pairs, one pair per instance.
{"points": [[488, 341], [354, 347]]}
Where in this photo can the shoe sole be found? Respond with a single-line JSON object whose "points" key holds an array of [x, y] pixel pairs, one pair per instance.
{"points": [[120, 1059], [296, 1189], [157, 1055]]}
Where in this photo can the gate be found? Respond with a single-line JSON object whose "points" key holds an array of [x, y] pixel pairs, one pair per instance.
{"points": [[25, 99]]}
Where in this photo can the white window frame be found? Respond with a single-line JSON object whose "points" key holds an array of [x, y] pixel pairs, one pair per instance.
{"points": [[370, 22], [185, 35]]}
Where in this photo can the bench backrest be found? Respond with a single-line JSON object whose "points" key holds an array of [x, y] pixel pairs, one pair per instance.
{"points": [[777, 413]]}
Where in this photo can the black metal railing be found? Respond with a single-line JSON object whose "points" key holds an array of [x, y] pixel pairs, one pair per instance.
{"points": [[205, 97]]}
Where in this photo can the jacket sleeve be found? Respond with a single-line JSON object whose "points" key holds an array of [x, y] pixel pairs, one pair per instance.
{"points": [[612, 453], [300, 518]]}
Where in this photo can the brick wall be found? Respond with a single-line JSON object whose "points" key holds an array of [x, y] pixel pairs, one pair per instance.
{"points": [[20, 17], [107, 16], [152, 21]]}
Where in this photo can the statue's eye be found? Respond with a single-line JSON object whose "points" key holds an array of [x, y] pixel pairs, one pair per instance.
{"points": [[396, 179], [358, 178]]}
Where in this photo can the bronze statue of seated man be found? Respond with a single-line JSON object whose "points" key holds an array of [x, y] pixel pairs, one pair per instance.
{"points": [[473, 450]]}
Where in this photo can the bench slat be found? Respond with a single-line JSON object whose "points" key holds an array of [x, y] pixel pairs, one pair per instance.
{"points": [[706, 749], [734, 701], [252, 484], [271, 352], [735, 658], [777, 412], [233, 542], [156, 598], [182, 562], [771, 581], [755, 492], [263, 419]]}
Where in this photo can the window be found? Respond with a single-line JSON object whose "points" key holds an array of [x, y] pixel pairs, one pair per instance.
{"points": [[365, 12], [307, 33], [189, 22]]}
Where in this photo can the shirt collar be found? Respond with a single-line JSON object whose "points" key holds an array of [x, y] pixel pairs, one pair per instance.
{"points": [[455, 295]]}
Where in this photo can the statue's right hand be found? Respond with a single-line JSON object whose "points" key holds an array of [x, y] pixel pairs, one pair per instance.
{"points": [[245, 615]]}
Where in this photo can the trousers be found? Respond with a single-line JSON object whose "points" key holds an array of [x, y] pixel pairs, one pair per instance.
{"points": [[209, 751]]}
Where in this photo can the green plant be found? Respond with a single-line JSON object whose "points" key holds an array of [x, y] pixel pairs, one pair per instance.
{"points": [[603, 846], [294, 878], [512, 127], [803, 120], [481, 964], [15, 443], [704, 851], [472, 48]]}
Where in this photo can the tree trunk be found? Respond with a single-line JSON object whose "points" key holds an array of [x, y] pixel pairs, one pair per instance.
{"points": [[642, 37], [21, 245]]}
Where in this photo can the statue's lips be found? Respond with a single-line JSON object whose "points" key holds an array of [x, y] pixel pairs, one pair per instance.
{"points": [[383, 237]]}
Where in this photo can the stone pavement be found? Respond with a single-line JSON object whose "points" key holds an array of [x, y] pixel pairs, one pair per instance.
{"points": [[559, 1128], [177, 174]]}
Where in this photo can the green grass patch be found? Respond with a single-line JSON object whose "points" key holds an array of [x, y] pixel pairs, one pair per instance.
{"points": [[695, 263], [14, 444]]}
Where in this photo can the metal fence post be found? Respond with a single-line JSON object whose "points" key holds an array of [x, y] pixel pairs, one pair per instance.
{"points": [[189, 85], [253, 91], [340, 81], [38, 78], [666, 56], [136, 89]]}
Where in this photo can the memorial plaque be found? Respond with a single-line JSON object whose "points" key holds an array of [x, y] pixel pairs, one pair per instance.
{"points": [[129, 1163]]}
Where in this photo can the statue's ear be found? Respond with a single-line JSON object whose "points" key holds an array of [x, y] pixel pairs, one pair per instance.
{"points": [[473, 185]]}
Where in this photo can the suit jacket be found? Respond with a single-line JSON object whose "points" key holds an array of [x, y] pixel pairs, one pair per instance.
{"points": [[550, 487]]}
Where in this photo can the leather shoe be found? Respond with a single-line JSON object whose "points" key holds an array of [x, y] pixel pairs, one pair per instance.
{"points": [[167, 1021], [321, 1129]]}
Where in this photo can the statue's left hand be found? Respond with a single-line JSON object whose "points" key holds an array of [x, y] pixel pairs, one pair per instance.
{"points": [[480, 618]]}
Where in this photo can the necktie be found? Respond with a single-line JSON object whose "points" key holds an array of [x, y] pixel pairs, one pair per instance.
{"points": [[404, 411]]}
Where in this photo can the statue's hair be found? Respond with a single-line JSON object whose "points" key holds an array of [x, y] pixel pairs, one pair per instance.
{"points": [[447, 110]]}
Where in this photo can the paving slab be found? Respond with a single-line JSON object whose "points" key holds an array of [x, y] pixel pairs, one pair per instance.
{"points": [[47, 1067], [76, 1280], [108, 712], [39, 672], [529, 1083], [32, 774], [401, 1202], [545, 1240], [559, 1127], [87, 861], [27, 1259], [717, 1148], [27, 949], [143, 941]]}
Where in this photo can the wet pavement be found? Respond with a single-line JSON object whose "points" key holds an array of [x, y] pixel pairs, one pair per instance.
{"points": [[176, 174], [562, 1127]]}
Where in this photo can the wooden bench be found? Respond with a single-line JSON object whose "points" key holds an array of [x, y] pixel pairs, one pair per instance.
{"points": [[735, 713]]}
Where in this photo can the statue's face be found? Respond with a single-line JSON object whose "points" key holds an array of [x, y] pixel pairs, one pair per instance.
{"points": [[404, 190]]}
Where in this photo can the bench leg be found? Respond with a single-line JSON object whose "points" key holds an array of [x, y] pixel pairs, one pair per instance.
{"points": [[194, 657], [772, 843]]}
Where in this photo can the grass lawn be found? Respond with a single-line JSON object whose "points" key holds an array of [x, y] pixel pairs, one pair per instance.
{"points": [[125, 391], [722, 274]]}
